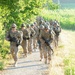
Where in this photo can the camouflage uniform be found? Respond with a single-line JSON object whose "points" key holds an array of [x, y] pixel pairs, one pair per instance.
{"points": [[41, 27], [39, 20], [15, 38], [35, 36], [32, 34], [25, 38], [57, 30], [30, 41], [46, 36]]}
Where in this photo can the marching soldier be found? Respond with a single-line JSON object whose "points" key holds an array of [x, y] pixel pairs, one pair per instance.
{"points": [[32, 34], [24, 43], [41, 28], [35, 36], [46, 38], [57, 30], [15, 38], [30, 44]]}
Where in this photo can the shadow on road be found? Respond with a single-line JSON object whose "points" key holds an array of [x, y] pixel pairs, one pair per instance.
{"points": [[42, 67], [28, 61]]}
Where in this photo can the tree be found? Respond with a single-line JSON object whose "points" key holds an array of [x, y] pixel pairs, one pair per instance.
{"points": [[50, 5], [19, 11]]}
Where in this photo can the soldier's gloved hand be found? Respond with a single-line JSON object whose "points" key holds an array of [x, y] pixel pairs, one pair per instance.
{"points": [[31, 35], [24, 38], [28, 38], [17, 44], [10, 40]]}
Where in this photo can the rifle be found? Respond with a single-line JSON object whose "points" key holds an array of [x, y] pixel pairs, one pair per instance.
{"points": [[18, 43], [26, 38], [13, 39], [47, 43]]}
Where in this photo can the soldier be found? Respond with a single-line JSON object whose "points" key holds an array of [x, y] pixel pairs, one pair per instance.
{"points": [[15, 38], [46, 38], [57, 30], [30, 41], [41, 28], [32, 34], [34, 26], [39, 20], [25, 38]]}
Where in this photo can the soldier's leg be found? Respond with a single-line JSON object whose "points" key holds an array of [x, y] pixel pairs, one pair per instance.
{"points": [[45, 54], [24, 48], [49, 55], [56, 41], [12, 51], [34, 43], [41, 53], [40, 49], [15, 55], [30, 45]]}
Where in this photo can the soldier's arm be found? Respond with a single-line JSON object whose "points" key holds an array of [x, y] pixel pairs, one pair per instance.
{"points": [[40, 36], [32, 32], [52, 36], [59, 28], [7, 36], [27, 34], [20, 36]]}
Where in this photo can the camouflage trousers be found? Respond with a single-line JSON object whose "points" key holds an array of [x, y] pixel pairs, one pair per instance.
{"points": [[41, 53], [40, 49], [14, 52], [25, 46], [30, 45], [46, 52], [34, 43]]}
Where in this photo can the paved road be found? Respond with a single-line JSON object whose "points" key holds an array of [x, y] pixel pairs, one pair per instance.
{"points": [[28, 66]]}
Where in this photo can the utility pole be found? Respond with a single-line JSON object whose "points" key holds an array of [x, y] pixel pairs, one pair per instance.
{"points": [[59, 2]]}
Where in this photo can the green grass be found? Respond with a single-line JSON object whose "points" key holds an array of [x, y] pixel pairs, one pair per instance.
{"points": [[66, 17], [69, 70], [69, 60], [69, 65]]}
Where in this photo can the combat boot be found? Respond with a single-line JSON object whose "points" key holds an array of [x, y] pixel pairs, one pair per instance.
{"points": [[45, 61], [15, 64]]}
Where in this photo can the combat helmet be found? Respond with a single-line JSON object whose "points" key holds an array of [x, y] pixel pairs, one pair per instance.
{"points": [[13, 25], [23, 25], [41, 27], [47, 27]]}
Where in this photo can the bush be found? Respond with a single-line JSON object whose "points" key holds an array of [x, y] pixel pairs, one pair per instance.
{"points": [[53, 6], [70, 70], [4, 52], [1, 65]]}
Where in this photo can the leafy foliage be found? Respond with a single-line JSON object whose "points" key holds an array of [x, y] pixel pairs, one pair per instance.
{"points": [[1, 65], [18, 11], [50, 5]]}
